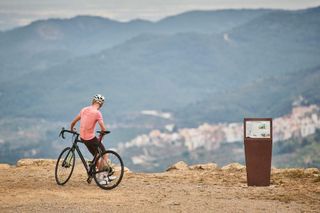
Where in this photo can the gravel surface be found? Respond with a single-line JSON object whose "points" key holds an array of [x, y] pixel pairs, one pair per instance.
{"points": [[32, 188]]}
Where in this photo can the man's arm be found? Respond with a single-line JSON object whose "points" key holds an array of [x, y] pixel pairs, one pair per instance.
{"points": [[73, 123], [102, 126]]}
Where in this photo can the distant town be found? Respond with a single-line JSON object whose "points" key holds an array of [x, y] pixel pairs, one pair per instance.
{"points": [[301, 122]]}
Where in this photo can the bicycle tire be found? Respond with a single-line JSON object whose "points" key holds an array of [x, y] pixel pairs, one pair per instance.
{"points": [[70, 164], [116, 165]]}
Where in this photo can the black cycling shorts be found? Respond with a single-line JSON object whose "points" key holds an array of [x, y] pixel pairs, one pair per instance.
{"points": [[93, 144]]}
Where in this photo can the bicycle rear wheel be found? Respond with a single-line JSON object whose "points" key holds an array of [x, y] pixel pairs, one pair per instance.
{"points": [[64, 166], [109, 169]]}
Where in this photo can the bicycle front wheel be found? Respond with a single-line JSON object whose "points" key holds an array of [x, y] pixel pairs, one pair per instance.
{"points": [[109, 169], [64, 166]]}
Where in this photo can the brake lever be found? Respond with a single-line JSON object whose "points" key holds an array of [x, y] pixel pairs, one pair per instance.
{"points": [[62, 133]]}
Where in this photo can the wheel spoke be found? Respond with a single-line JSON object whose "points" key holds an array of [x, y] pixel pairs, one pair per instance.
{"points": [[64, 166], [109, 170]]}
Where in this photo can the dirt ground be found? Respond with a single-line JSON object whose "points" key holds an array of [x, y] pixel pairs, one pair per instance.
{"points": [[32, 188]]}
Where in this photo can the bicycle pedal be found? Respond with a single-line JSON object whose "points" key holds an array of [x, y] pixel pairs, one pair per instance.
{"points": [[111, 172], [89, 180], [111, 178]]}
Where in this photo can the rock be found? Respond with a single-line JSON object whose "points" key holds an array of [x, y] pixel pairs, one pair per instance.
{"points": [[234, 166], [208, 166], [311, 171], [127, 170], [35, 162], [294, 172], [4, 166], [275, 170], [179, 166]]}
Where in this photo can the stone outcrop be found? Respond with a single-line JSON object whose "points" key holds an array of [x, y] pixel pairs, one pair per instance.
{"points": [[311, 171], [208, 166], [182, 166], [4, 166], [127, 170], [234, 167], [43, 162], [35, 162], [178, 166]]}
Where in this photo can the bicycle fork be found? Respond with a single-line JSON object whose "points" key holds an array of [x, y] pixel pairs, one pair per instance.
{"points": [[67, 160]]}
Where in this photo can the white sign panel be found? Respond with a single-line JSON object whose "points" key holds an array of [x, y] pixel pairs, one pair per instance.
{"points": [[258, 129]]}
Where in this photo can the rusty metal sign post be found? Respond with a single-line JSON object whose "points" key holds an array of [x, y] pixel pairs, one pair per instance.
{"points": [[258, 150]]}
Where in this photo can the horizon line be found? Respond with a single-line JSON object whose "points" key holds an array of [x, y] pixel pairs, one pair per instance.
{"points": [[152, 20]]}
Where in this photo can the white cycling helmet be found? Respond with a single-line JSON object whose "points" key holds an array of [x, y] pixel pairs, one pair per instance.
{"points": [[98, 98]]}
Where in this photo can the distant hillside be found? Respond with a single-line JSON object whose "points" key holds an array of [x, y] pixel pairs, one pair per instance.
{"points": [[272, 96], [298, 152], [45, 43], [183, 69]]}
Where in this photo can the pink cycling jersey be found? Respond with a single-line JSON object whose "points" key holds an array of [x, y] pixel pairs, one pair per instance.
{"points": [[89, 117]]}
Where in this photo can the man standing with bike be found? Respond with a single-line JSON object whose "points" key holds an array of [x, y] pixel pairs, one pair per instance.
{"points": [[89, 116]]}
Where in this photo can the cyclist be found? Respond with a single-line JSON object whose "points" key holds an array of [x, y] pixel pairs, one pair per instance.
{"points": [[89, 116]]}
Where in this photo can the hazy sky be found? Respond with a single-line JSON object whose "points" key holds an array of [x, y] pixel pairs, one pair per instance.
{"points": [[21, 12]]}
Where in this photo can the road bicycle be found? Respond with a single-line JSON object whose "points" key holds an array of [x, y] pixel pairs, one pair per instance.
{"points": [[106, 168]]}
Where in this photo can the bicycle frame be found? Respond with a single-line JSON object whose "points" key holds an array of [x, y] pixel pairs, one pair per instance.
{"points": [[87, 167], [76, 147]]}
